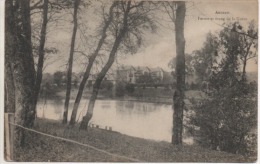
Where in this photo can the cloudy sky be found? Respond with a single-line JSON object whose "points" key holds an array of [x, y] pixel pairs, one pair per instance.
{"points": [[159, 48], [162, 48]]}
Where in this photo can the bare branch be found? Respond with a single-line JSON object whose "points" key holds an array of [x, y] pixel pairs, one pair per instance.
{"points": [[37, 5]]}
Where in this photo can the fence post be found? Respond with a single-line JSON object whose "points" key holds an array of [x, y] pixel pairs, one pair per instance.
{"points": [[9, 136]]}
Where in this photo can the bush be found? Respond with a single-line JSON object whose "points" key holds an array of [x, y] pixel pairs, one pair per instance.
{"points": [[194, 86], [47, 90], [120, 89], [130, 88], [227, 118], [108, 85]]}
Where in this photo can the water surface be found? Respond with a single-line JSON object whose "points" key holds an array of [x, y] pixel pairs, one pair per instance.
{"points": [[138, 119]]}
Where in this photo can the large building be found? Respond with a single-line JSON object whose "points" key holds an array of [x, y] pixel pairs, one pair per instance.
{"points": [[126, 74], [135, 75]]}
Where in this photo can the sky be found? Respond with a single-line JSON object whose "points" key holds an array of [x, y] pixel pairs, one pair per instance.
{"points": [[162, 47], [159, 47]]}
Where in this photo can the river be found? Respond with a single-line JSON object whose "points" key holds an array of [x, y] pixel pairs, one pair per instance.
{"points": [[139, 119]]}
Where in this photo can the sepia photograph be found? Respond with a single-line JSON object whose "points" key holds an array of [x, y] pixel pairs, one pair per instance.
{"points": [[130, 81]]}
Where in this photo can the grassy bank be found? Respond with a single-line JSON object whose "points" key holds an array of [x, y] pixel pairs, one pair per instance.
{"points": [[43, 148]]}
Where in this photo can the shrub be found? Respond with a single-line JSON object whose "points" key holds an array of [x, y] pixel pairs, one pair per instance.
{"points": [[130, 88], [107, 85], [120, 89], [227, 119]]}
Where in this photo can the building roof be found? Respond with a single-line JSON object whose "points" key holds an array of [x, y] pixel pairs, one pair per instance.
{"points": [[142, 68], [157, 69], [125, 67], [110, 76]]}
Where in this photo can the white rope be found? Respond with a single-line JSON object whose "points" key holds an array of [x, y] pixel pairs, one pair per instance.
{"points": [[72, 141]]}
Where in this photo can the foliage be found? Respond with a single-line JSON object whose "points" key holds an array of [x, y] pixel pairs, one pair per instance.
{"points": [[47, 90], [120, 89], [130, 88], [108, 85], [227, 119], [194, 86], [58, 77], [189, 68], [205, 58], [144, 78]]}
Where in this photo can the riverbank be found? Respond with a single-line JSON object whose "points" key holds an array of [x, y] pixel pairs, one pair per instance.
{"points": [[43, 148], [152, 95]]}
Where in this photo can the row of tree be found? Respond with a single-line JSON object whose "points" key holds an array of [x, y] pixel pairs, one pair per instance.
{"points": [[121, 29], [224, 119]]}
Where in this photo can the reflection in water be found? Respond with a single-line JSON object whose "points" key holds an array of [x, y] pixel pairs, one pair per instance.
{"points": [[145, 120], [139, 119]]}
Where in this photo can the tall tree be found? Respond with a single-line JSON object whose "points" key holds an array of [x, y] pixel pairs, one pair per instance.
{"points": [[101, 75], [90, 63], [227, 118], [178, 97], [205, 58], [10, 43], [189, 67], [41, 52], [22, 65], [70, 63], [249, 43], [176, 11], [131, 18]]}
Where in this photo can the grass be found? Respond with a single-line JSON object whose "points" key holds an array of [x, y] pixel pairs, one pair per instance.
{"points": [[42, 148]]}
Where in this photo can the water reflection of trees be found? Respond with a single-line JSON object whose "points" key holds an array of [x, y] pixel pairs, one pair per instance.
{"points": [[132, 107], [57, 103], [105, 104]]}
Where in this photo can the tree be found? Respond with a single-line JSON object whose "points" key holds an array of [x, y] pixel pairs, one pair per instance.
{"points": [[145, 78], [70, 63], [41, 50], [9, 57], [126, 26], [227, 118], [249, 43], [57, 78], [101, 75], [120, 89], [178, 97], [189, 67], [205, 58], [22, 65], [90, 64], [107, 85], [176, 12], [130, 88]]}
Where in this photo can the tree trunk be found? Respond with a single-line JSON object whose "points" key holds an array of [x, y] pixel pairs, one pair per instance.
{"points": [[245, 61], [9, 58], [23, 69], [244, 69], [41, 51], [101, 75], [90, 64], [69, 73], [178, 97]]}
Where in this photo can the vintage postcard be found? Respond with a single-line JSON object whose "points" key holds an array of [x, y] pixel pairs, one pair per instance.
{"points": [[130, 81]]}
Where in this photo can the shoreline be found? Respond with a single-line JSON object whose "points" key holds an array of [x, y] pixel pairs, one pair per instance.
{"points": [[193, 94], [44, 149]]}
